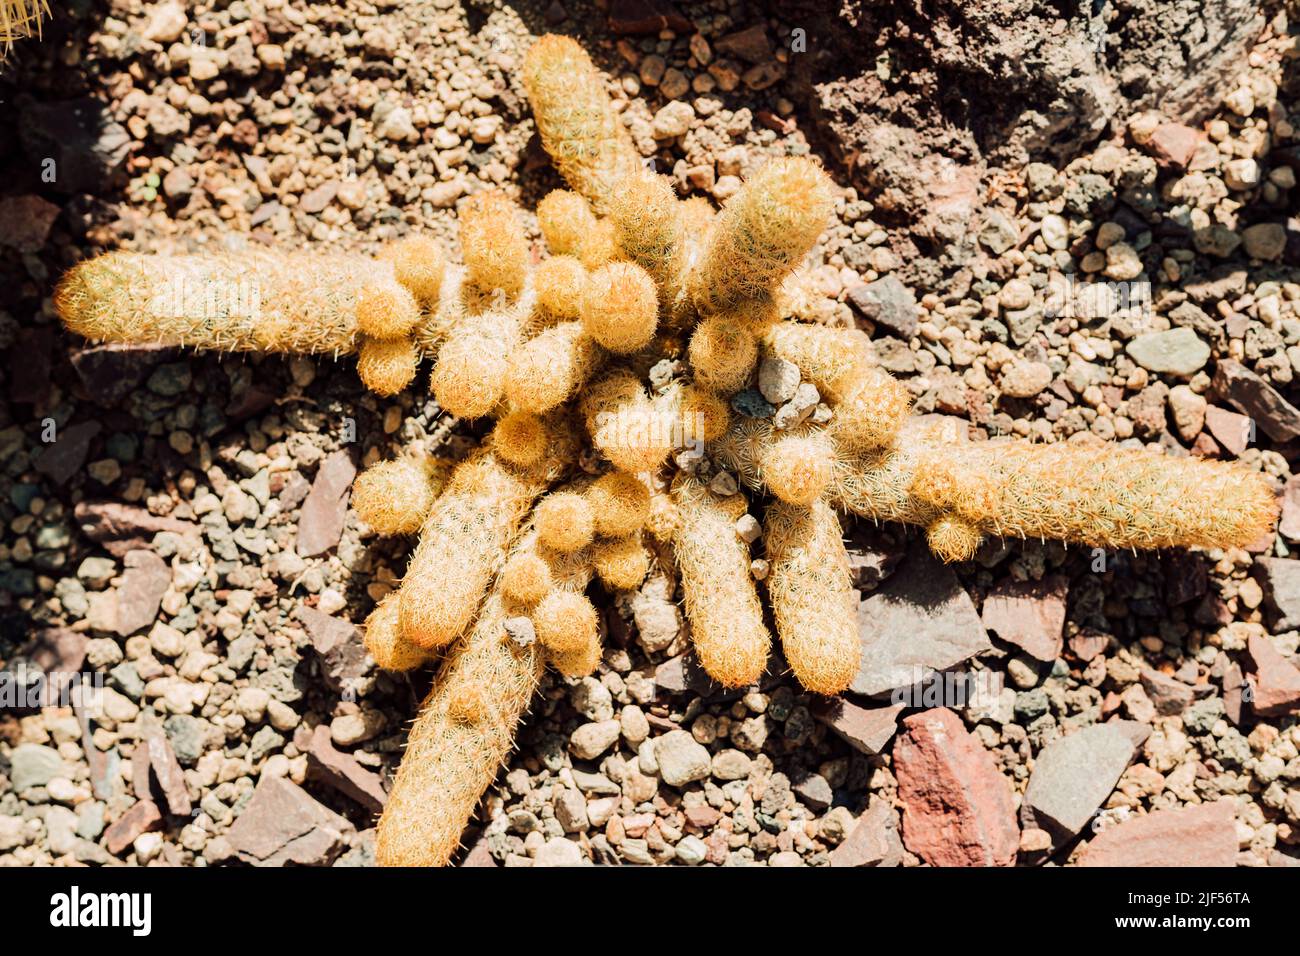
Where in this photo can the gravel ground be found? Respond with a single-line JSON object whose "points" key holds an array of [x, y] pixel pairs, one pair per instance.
{"points": [[186, 535]]}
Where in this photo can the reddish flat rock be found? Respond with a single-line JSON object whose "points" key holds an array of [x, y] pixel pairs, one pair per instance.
{"points": [[283, 824], [142, 816], [144, 583], [957, 807], [873, 841], [866, 729], [166, 768], [124, 528], [1199, 836], [1173, 144], [1275, 683], [1029, 614], [320, 523], [342, 772]]}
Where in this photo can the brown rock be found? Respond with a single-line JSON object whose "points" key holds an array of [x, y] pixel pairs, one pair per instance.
{"points": [[1275, 684], [25, 222], [1199, 836], [704, 816], [56, 650], [1170, 696], [1253, 396], [1088, 643], [920, 620], [957, 807], [639, 17], [867, 730], [141, 774], [1290, 523], [63, 457], [1029, 614], [342, 772], [29, 380], [1231, 431], [339, 644], [166, 768], [144, 583], [283, 824], [317, 199], [873, 841], [124, 528], [111, 372], [142, 817], [1233, 694], [1173, 144], [320, 523], [478, 855], [750, 44]]}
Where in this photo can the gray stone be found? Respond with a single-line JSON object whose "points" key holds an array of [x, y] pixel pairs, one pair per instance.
{"points": [[751, 403], [998, 234], [814, 791], [1176, 352], [874, 841], [1279, 578], [1074, 775], [888, 303], [591, 740], [185, 732], [558, 852], [778, 380], [65, 456], [571, 811], [920, 620], [681, 758], [31, 765], [867, 730]]}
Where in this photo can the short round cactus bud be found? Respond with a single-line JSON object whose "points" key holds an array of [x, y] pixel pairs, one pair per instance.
{"points": [[564, 521], [419, 264], [551, 367], [387, 366], [723, 354], [525, 579], [493, 243], [521, 438], [621, 563], [620, 308], [620, 503], [566, 220], [797, 468], [383, 638], [565, 621], [386, 310], [952, 539], [394, 497], [559, 283]]}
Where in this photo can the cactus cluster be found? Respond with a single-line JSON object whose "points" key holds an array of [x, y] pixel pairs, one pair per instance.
{"points": [[611, 369]]}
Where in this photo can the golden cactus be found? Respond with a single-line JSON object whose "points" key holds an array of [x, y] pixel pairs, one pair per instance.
{"points": [[568, 356]]}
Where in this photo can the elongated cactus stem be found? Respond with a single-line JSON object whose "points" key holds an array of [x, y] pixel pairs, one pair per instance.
{"points": [[726, 617], [577, 124], [812, 596]]}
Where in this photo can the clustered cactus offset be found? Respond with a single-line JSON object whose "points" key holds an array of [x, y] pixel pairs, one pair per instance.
{"points": [[610, 369]]}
